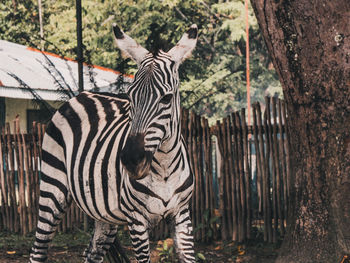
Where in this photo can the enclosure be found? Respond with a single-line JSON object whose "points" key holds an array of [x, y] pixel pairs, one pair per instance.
{"points": [[242, 177]]}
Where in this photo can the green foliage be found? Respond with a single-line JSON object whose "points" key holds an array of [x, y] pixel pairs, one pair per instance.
{"points": [[213, 79], [18, 21], [209, 221], [166, 253]]}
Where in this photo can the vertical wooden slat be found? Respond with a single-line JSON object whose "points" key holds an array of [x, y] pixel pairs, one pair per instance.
{"points": [[272, 210], [265, 174], [86, 222], [199, 190], [28, 186], [189, 147], [210, 203], [184, 124], [283, 161], [277, 154], [210, 152], [201, 185], [71, 219], [6, 175], [206, 192], [247, 170], [216, 171], [21, 178], [240, 160], [224, 228], [273, 154], [238, 185], [259, 167], [4, 187], [36, 169], [12, 180], [197, 216], [230, 180], [11, 219], [64, 221], [32, 192], [3, 192], [40, 137], [287, 147]]}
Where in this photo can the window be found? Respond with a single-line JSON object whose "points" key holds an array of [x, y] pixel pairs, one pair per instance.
{"points": [[41, 116]]}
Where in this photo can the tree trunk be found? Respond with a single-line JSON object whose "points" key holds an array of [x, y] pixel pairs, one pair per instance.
{"points": [[309, 42]]}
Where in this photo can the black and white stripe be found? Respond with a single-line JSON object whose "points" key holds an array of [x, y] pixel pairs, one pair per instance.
{"points": [[121, 158]]}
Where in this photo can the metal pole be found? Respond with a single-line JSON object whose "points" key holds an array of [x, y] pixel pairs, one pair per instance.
{"points": [[80, 57], [41, 25], [247, 59]]}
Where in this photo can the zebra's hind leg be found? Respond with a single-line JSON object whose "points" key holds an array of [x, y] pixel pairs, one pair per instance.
{"points": [[183, 236], [53, 202], [102, 239]]}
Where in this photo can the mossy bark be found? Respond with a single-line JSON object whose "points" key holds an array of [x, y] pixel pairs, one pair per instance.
{"points": [[309, 42]]}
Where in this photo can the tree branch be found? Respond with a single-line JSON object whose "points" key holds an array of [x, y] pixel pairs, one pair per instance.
{"points": [[204, 37]]}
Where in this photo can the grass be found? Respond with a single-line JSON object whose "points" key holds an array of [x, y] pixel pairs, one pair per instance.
{"points": [[15, 247], [68, 248]]}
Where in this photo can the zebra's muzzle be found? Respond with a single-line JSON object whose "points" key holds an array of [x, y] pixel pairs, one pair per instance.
{"points": [[134, 158]]}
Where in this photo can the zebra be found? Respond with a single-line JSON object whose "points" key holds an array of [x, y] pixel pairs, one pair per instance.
{"points": [[121, 158]]}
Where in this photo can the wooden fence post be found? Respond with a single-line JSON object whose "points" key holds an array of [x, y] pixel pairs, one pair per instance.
{"points": [[283, 162], [247, 177], [3, 187]]}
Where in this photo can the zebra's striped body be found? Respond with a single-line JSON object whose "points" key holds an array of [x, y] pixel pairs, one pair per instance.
{"points": [[121, 158]]}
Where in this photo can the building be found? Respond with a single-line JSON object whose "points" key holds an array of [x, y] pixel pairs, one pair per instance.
{"points": [[33, 81]]}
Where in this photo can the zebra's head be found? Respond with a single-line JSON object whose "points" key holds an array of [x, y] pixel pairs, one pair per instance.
{"points": [[154, 99]]}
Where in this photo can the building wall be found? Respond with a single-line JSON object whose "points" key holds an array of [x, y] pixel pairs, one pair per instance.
{"points": [[2, 111], [19, 107]]}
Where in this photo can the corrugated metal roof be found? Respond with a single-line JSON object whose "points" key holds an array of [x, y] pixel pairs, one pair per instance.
{"points": [[46, 73], [10, 92]]}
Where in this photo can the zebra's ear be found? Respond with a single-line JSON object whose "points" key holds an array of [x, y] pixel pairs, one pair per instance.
{"points": [[184, 47], [128, 46]]}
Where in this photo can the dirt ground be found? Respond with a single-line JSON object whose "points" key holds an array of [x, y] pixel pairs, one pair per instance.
{"points": [[68, 248]]}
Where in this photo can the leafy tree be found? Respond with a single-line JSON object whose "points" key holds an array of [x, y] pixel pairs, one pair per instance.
{"points": [[213, 80], [18, 21]]}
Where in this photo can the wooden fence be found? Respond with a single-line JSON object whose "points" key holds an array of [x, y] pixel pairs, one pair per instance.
{"points": [[242, 176], [20, 157]]}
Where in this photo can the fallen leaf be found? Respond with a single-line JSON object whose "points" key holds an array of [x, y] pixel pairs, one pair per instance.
{"points": [[169, 242], [201, 256], [61, 252], [218, 248], [241, 252], [217, 212]]}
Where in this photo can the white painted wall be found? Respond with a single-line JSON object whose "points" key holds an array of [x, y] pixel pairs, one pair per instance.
{"points": [[19, 107]]}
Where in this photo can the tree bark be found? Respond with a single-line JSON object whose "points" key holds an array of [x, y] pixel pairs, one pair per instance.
{"points": [[309, 42]]}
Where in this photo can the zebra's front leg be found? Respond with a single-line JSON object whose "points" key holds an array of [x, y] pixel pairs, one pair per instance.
{"points": [[102, 239], [183, 236], [140, 241]]}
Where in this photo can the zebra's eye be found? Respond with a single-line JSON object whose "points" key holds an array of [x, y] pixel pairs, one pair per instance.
{"points": [[166, 99]]}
